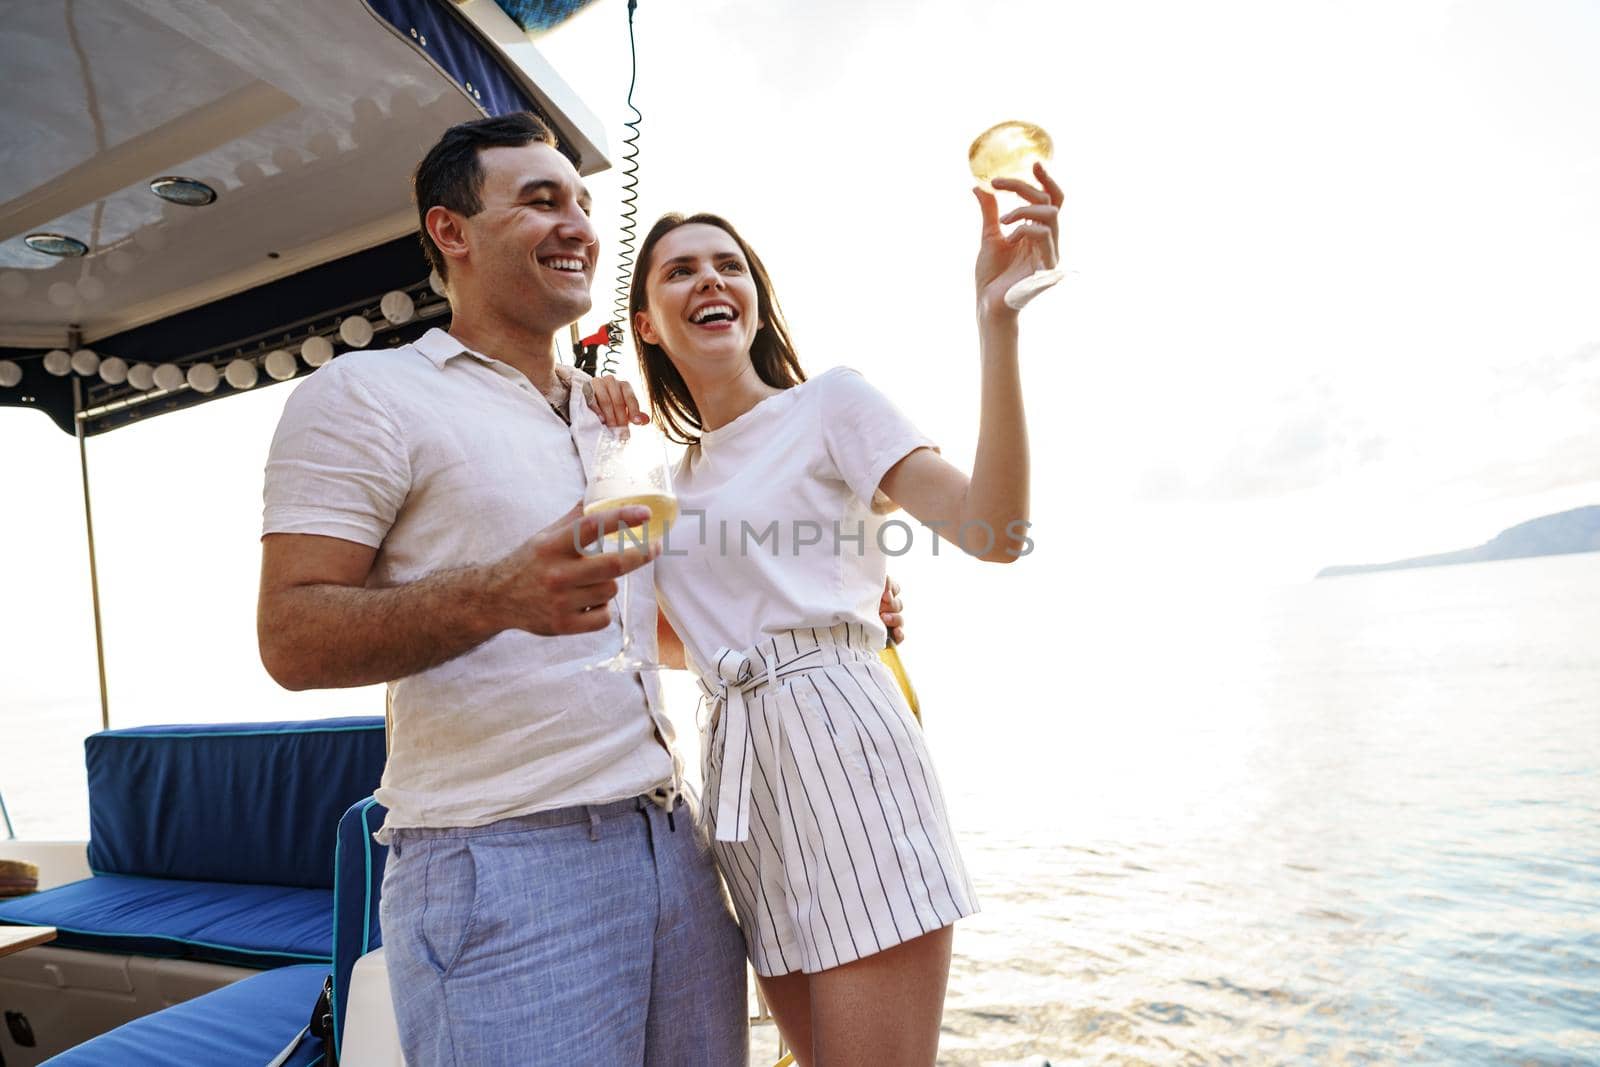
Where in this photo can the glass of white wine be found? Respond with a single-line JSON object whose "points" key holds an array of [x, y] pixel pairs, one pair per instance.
{"points": [[630, 468], [1010, 150]]}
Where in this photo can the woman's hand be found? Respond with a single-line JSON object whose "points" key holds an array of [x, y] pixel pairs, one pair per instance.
{"points": [[613, 401], [1006, 258], [889, 608]]}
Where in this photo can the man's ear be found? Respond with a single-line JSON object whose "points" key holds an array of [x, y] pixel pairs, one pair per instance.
{"points": [[447, 232], [644, 329]]}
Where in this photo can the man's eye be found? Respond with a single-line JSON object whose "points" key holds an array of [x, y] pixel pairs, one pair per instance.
{"points": [[543, 203]]}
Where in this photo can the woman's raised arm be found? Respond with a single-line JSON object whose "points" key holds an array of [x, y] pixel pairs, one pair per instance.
{"points": [[986, 513]]}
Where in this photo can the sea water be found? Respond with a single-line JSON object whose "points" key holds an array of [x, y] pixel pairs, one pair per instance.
{"points": [[1353, 821]]}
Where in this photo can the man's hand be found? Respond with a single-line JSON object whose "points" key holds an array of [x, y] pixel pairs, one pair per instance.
{"points": [[889, 608], [557, 582], [612, 399]]}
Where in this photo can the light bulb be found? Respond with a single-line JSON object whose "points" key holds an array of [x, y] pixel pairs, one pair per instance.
{"points": [[280, 365], [356, 331], [203, 378], [397, 307], [241, 374], [316, 351], [168, 377]]}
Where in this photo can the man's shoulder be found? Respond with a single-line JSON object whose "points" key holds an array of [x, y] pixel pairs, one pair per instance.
{"points": [[368, 386], [381, 370], [365, 363]]}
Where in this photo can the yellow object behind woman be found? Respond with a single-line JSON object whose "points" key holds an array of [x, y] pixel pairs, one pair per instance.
{"points": [[891, 659]]}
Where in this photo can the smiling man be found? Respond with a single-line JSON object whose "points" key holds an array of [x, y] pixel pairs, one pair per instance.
{"points": [[546, 899]]}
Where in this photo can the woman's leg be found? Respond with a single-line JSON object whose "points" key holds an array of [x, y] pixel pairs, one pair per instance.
{"points": [[788, 997], [884, 1009]]}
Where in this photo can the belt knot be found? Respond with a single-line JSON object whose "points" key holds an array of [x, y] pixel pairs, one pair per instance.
{"points": [[737, 673]]}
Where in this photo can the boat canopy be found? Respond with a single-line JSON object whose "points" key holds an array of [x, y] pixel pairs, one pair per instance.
{"points": [[203, 195]]}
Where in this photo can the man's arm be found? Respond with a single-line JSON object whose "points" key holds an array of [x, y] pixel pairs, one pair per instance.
{"points": [[320, 627]]}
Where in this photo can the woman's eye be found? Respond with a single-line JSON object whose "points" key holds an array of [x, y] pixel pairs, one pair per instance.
{"points": [[677, 272], [734, 267]]}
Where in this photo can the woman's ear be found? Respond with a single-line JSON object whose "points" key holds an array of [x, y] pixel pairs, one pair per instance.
{"points": [[644, 329]]}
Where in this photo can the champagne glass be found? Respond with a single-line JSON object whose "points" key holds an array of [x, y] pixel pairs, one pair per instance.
{"points": [[1010, 150], [630, 467]]}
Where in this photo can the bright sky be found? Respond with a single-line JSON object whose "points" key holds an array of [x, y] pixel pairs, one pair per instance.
{"points": [[1337, 299], [1336, 289]]}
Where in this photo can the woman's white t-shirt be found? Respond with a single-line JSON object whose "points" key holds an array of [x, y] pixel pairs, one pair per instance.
{"points": [[775, 529]]}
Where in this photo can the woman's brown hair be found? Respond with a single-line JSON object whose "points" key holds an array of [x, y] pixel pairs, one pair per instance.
{"points": [[772, 352]]}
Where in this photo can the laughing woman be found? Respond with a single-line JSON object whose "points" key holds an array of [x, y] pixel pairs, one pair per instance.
{"points": [[828, 822]]}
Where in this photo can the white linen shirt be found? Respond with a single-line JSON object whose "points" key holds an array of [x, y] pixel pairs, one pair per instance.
{"points": [[801, 466], [440, 457]]}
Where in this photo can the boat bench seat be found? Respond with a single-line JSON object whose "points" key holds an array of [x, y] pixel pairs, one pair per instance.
{"points": [[245, 925], [213, 842], [252, 1020], [358, 867], [248, 1022]]}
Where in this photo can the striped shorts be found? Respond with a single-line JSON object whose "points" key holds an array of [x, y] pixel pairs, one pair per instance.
{"points": [[826, 818]]}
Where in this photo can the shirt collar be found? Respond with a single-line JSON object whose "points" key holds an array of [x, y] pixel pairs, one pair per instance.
{"points": [[440, 348]]}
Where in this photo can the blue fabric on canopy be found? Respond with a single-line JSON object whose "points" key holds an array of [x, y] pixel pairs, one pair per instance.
{"points": [[357, 879], [458, 52], [255, 803], [248, 1022], [540, 15], [245, 925]]}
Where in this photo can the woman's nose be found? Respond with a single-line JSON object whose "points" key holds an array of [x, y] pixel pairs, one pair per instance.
{"points": [[709, 279]]}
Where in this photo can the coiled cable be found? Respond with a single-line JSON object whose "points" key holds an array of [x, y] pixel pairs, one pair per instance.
{"points": [[629, 214]]}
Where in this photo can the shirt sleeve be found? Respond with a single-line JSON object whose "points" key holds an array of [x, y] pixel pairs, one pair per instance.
{"points": [[864, 432], [338, 466]]}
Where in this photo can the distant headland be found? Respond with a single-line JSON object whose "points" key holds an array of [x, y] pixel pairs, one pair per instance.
{"points": [[1565, 532]]}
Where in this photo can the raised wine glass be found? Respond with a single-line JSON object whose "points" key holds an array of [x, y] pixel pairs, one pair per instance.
{"points": [[1010, 150], [630, 467]]}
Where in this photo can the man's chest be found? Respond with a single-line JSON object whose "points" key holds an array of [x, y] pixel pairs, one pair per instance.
{"points": [[482, 481]]}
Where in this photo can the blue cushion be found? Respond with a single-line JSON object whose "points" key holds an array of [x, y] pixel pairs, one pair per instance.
{"points": [[246, 925], [246, 1022], [357, 879], [256, 803]]}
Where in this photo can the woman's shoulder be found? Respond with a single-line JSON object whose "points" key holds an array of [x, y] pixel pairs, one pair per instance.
{"points": [[845, 388], [838, 381], [834, 375]]}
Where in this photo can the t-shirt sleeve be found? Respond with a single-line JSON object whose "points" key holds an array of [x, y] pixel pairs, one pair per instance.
{"points": [[864, 432], [338, 466]]}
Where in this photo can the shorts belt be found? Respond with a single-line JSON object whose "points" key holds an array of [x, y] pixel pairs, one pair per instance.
{"points": [[738, 675]]}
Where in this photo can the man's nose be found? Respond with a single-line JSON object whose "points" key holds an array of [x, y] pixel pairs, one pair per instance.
{"points": [[578, 226]]}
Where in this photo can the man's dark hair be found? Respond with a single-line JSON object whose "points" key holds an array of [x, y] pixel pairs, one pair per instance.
{"points": [[451, 176]]}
